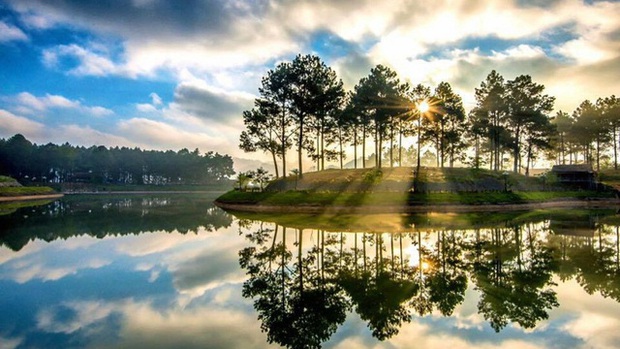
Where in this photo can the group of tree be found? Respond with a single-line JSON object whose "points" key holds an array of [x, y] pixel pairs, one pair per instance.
{"points": [[51, 163], [589, 132], [303, 106]]}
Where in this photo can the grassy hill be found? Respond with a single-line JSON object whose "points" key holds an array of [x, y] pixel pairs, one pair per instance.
{"points": [[401, 179], [394, 187], [10, 187]]}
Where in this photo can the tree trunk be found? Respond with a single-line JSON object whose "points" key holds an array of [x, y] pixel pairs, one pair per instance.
{"points": [[340, 141], [517, 151], [283, 162], [275, 163], [598, 155], [379, 148], [318, 151], [391, 143], [615, 149], [300, 145], [322, 145], [400, 143], [364, 146], [437, 151], [529, 157], [441, 147], [355, 148], [283, 141]]}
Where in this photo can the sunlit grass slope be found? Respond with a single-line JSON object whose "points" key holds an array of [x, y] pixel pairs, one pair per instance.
{"points": [[395, 187]]}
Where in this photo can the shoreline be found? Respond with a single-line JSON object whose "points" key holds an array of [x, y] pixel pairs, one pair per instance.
{"points": [[60, 195], [447, 208], [146, 192], [31, 197]]}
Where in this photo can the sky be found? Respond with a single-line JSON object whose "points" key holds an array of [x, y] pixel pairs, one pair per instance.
{"points": [[159, 74]]}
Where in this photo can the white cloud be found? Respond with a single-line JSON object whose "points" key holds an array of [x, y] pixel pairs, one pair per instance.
{"points": [[11, 124], [30, 104], [161, 135], [155, 99], [87, 136], [10, 343], [218, 60], [90, 61], [11, 33], [146, 108]]}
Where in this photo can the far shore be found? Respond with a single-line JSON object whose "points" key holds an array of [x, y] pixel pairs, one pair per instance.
{"points": [[30, 197], [60, 195], [144, 192], [447, 208]]}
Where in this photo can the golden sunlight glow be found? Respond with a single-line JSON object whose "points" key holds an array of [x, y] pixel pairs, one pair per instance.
{"points": [[423, 107]]}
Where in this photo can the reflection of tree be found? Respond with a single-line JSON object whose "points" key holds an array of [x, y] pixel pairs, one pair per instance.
{"points": [[379, 294], [299, 305], [514, 277], [448, 282], [305, 291], [100, 216], [595, 261]]}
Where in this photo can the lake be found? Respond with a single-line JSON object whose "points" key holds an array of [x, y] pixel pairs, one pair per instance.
{"points": [[174, 271]]}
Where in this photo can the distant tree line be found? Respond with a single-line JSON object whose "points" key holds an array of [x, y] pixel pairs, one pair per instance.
{"points": [[302, 106], [51, 163]]}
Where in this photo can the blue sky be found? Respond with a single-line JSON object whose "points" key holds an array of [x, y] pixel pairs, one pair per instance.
{"points": [[167, 75]]}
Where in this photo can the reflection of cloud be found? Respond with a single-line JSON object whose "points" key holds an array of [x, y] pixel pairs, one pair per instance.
{"points": [[209, 269], [35, 267], [71, 317], [590, 317], [35, 262], [144, 326]]}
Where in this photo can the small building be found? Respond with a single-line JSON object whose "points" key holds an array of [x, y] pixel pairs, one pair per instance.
{"points": [[581, 175]]}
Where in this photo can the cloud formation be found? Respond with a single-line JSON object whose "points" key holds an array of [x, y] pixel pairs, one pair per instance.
{"points": [[29, 104], [213, 53]]}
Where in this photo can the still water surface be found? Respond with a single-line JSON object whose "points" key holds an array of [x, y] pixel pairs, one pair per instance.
{"points": [[173, 271]]}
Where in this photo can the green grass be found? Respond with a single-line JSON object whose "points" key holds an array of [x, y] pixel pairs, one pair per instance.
{"points": [[5, 179], [23, 191], [390, 187]]}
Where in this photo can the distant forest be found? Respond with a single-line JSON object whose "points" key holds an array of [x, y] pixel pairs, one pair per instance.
{"points": [[51, 163]]}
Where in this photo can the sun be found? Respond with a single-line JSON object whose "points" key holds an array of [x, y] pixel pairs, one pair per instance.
{"points": [[423, 107]]}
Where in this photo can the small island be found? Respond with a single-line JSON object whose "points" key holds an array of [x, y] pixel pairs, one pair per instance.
{"points": [[413, 148], [397, 190]]}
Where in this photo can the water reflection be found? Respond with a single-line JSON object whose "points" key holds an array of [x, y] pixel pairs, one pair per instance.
{"points": [[124, 272], [303, 281], [101, 216]]}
